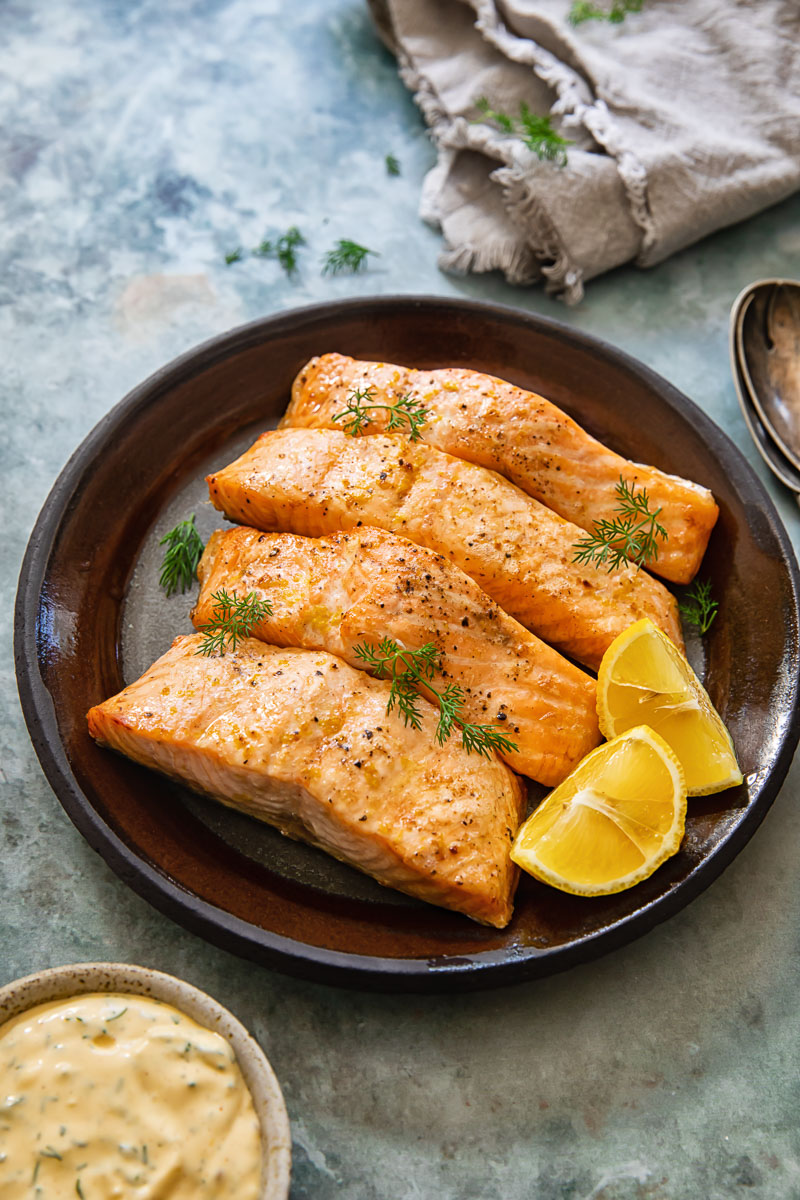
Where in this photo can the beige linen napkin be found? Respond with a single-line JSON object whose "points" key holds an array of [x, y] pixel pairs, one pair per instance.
{"points": [[684, 118]]}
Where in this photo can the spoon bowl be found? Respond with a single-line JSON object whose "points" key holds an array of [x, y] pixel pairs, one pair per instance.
{"points": [[765, 353]]}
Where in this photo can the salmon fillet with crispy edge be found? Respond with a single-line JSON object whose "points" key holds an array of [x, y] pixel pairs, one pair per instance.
{"points": [[317, 481], [302, 741], [342, 591], [520, 434]]}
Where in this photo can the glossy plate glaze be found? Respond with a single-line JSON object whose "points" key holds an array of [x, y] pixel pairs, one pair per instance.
{"points": [[90, 617]]}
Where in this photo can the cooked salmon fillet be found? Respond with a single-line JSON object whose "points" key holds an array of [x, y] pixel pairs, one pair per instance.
{"points": [[342, 591], [302, 741], [519, 434], [317, 481]]}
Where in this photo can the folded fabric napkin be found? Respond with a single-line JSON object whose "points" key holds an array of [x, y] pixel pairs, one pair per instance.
{"points": [[683, 118]]}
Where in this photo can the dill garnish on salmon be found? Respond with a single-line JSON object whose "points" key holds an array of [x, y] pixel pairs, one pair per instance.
{"points": [[351, 590], [317, 481], [520, 434], [301, 740]]}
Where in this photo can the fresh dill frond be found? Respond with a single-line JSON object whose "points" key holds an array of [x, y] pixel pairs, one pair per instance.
{"points": [[233, 618], [283, 248], [405, 411], [505, 122], [584, 10], [233, 256], [697, 606], [407, 669], [392, 165], [346, 256], [631, 537], [483, 739], [286, 247], [184, 549], [535, 131], [540, 137]]}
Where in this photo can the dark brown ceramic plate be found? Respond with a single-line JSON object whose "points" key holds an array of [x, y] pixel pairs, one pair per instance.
{"points": [[90, 616]]}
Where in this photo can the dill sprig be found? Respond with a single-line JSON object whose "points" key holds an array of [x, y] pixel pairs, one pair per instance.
{"points": [[392, 165], [535, 131], [346, 256], [184, 548], [284, 248], [233, 618], [632, 537], [409, 668], [233, 256], [584, 10], [405, 409], [697, 606]]}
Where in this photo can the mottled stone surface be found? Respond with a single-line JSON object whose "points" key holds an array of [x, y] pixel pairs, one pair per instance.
{"points": [[140, 142]]}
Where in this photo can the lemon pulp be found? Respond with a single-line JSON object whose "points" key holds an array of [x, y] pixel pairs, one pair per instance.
{"points": [[644, 679], [612, 822]]}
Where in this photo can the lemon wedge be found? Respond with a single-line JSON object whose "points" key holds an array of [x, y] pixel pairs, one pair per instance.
{"points": [[616, 818], [645, 680]]}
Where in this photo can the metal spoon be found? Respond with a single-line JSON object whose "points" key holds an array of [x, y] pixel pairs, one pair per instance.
{"points": [[765, 361]]}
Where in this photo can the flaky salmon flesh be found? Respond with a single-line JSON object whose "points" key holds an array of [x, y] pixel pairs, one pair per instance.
{"points": [[318, 481], [352, 589], [302, 741], [520, 434]]}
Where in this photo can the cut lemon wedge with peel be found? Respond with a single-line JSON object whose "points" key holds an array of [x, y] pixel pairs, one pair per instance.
{"points": [[612, 822], [645, 680]]}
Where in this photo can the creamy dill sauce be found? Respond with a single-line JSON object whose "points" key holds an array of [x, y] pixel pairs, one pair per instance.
{"points": [[107, 1095]]}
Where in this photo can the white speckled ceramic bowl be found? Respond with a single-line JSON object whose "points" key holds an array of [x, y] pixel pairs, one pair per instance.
{"points": [[58, 983]]}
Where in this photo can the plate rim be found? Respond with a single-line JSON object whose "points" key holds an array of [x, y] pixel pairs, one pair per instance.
{"points": [[461, 972]]}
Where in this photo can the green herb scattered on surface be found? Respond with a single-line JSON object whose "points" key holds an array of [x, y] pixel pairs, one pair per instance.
{"points": [[346, 256], [632, 537], [408, 668], [584, 10], [392, 165], [79, 1189], [284, 248], [233, 618], [184, 550], [233, 256], [404, 411], [697, 606], [535, 131]]}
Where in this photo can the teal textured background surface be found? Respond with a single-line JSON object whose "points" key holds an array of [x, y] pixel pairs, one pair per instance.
{"points": [[139, 143]]}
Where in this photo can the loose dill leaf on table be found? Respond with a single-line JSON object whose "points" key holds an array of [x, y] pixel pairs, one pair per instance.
{"points": [[287, 244], [184, 549], [697, 607], [392, 165], [233, 619], [233, 256], [405, 411], [535, 131], [283, 248], [346, 256], [408, 668], [584, 10], [631, 537]]}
